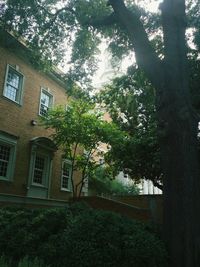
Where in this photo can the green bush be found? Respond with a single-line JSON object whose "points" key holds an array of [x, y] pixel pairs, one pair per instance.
{"points": [[15, 233], [77, 236], [102, 238], [23, 263]]}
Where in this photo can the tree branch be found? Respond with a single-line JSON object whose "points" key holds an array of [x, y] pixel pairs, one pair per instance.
{"points": [[104, 21], [158, 185], [146, 56]]}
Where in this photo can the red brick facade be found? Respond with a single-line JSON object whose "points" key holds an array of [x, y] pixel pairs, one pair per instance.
{"points": [[15, 120]]}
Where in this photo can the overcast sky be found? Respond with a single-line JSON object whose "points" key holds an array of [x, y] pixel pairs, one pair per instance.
{"points": [[151, 5]]}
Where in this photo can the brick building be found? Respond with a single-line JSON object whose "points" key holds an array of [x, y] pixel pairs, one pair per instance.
{"points": [[31, 167]]}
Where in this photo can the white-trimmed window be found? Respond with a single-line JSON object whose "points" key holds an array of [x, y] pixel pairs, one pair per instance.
{"points": [[46, 102], [13, 85], [66, 175], [40, 169], [7, 156], [39, 179]]}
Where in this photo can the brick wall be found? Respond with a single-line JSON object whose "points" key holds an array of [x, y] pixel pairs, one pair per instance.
{"points": [[154, 203], [16, 120], [132, 212], [146, 208]]}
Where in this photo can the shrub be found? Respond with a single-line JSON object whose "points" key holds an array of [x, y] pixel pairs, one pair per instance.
{"points": [[77, 236], [15, 233], [100, 238]]}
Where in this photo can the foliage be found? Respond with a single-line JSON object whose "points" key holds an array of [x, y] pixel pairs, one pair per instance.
{"points": [[47, 25], [130, 102], [15, 226], [81, 26], [103, 184], [81, 236], [78, 131]]}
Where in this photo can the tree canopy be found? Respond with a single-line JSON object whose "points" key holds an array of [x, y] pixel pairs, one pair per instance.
{"points": [[54, 28]]}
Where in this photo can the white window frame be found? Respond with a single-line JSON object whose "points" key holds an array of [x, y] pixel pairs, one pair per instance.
{"points": [[45, 170], [47, 92], [10, 142], [44, 147], [69, 189], [18, 99]]}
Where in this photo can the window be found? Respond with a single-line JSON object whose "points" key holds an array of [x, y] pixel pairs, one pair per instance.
{"points": [[13, 85], [39, 170], [66, 175], [39, 179], [7, 156], [46, 101], [4, 159]]}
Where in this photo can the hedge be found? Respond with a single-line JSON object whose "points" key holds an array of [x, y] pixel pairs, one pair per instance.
{"points": [[77, 236]]}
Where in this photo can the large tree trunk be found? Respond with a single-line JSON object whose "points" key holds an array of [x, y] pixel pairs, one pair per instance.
{"points": [[178, 126], [181, 190]]}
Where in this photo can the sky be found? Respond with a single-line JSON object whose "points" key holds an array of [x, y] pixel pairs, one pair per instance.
{"points": [[151, 5]]}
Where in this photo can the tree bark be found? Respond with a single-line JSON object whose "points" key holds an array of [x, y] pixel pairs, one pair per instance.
{"points": [[177, 126], [179, 145]]}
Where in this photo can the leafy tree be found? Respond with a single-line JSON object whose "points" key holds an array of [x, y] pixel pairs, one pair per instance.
{"points": [[128, 27], [130, 103], [79, 131]]}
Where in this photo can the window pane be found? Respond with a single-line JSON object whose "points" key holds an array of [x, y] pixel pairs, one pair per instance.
{"points": [[13, 79], [3, 168], [66, 172], [39, 170], [4, 160], [39, 163], [4, 152], [45, 99], [43, 110], [65, 182], [11, 92], [45, 102], [13, 85]]}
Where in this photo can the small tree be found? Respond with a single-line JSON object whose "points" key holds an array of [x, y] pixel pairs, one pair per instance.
{"points": [[79, 131]]}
